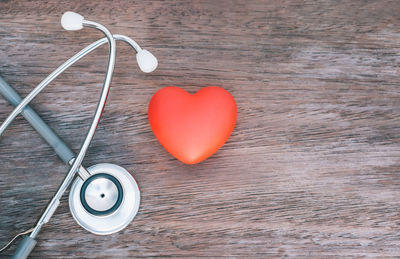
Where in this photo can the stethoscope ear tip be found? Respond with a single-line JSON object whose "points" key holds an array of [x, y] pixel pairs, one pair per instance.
{"points": [[71, 21], [147, 62]]}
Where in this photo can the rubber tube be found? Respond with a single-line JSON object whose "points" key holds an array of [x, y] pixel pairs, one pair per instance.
{"points": [[61, 149]]}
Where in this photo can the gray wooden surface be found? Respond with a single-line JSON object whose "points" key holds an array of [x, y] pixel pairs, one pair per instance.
{"points": [[310, 171]]}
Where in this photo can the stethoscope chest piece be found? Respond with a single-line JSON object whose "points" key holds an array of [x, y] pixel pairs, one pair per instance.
{"points": [[105, 202]]}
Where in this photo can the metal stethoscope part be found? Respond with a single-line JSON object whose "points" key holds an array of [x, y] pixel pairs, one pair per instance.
{"points": [[107, 201], [104, 198]]}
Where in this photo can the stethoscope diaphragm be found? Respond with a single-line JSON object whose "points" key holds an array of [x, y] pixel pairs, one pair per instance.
{"points": [[105, 202], [101, 194]]}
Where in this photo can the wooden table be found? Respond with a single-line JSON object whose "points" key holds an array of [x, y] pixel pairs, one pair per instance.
{"points": [[310, 171]]}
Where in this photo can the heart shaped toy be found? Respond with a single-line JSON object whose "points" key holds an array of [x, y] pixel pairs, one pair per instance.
{"points": [[192, 127]]}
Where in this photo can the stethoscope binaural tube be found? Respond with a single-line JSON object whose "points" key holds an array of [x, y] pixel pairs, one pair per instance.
{"points": [[29, 242], [53, 204], [64, 67]]}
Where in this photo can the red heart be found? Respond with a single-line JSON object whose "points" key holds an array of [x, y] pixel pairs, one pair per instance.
{"points": [[192, 127]]}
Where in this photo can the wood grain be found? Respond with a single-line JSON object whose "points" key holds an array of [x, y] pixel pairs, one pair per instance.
{"points": [[310, 171]]}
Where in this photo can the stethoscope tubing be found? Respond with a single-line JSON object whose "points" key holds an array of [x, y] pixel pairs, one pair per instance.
{"points": [[61, 149], [58, 145]]}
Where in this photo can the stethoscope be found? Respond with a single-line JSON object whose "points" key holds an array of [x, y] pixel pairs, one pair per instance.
{"points": [[104, 198]]}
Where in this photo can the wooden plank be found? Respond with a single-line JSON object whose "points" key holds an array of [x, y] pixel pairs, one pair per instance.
{"points": [[311, 169]]}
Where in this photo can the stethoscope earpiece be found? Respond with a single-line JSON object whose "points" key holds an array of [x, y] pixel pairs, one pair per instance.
{"points": [[71, 21], [147, 62]]}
